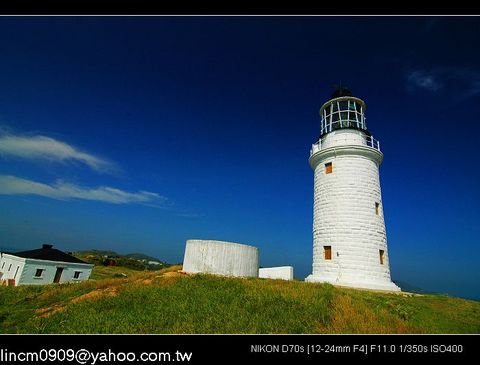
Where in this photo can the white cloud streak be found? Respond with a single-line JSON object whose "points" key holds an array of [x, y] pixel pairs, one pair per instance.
{"points": [[49, 149], [12, 185]]}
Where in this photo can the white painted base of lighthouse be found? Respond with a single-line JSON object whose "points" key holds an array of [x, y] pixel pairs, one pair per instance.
{"points": [[349, 236], [353, 283]]}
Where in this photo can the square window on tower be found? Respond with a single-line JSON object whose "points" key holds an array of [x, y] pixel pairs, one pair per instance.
{"points": [[382, 256], [328, 168], [327, 252]]}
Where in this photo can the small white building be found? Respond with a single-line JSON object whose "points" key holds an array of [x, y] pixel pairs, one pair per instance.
{"points": [[45, 265], [279, 272]]}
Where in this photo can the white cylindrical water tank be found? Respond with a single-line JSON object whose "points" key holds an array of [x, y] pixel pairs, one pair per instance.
{"points": [[221, 258]]}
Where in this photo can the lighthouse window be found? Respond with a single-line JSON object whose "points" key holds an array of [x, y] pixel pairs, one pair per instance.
{"points": [[377, 208], [382, 257], [327, 252], [328, 168]]}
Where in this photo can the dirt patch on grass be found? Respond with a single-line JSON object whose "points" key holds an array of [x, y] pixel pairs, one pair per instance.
{"points": [[142, 281], [162, 278], [96, 294], [92, 296], [167, 278], [107, 288], [48, 311], [170, 274]]}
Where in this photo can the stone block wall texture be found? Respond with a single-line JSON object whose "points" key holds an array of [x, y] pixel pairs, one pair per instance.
{"points": [[346, 219], [221, 258], [280, 272]]}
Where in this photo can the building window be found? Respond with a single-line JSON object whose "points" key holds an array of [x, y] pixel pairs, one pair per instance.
{"points": [[327, 252], [377, 208], [38, 273], [382, 257], [16, 272], [76, 275], [9, 267], [3, 265], [328, 168]]}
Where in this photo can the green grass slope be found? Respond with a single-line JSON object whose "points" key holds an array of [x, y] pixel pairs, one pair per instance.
{"points": [[169, 302]]}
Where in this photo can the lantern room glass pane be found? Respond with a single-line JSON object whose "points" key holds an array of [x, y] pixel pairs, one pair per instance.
{"points": [[334, 107], [342, 114], [335, 118]]}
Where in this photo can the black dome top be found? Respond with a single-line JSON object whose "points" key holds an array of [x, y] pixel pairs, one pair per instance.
{"points": [[341, 91]]}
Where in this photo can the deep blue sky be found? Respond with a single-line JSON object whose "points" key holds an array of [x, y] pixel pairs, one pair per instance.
{"points": [[216, 115]]}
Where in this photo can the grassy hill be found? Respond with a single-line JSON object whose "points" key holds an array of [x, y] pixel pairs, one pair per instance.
{"points": [[167, 301]]}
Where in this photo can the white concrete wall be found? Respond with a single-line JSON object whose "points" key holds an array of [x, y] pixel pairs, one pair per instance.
{"points": [[345, 218], [280, 272], [342, 137], [28, 268], [50, 267], [221, 258], [9, 265]]}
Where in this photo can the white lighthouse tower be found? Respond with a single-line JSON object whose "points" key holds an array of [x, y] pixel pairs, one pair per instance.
{"points": [[349, 237]]}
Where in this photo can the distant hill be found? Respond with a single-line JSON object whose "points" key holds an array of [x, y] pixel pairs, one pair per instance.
{"points": [[168, 301], [97, 252], [141, 256], [134, 261]]}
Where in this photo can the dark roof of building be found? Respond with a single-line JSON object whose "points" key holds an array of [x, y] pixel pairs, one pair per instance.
{"points": [[48, 253]]}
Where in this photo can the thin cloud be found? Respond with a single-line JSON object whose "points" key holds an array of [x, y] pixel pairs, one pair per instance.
{"points": [[424, 80], [49, 149], [61, 190], [459, 83]]}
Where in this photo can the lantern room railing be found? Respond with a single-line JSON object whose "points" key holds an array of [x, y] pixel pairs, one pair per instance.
{"points": [[369, 141]]}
